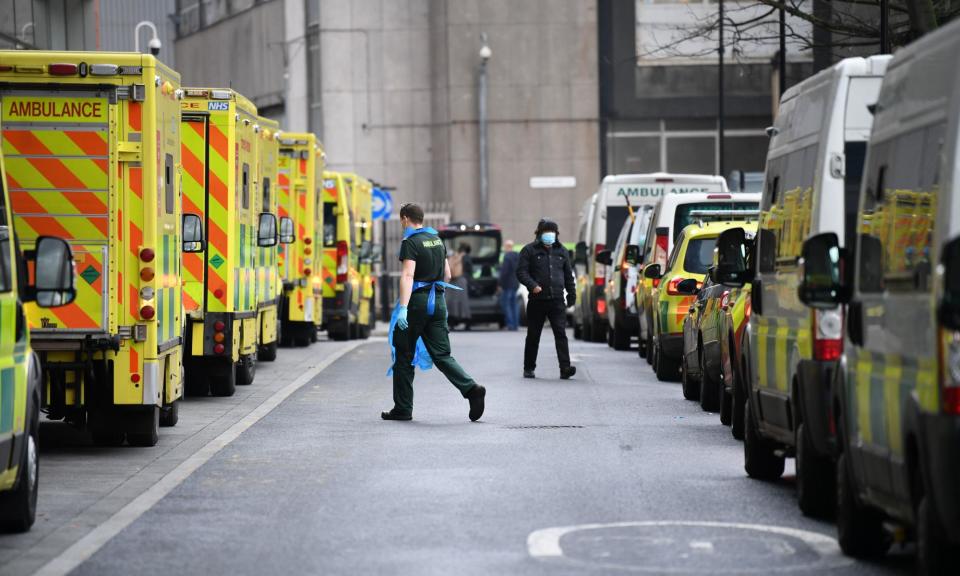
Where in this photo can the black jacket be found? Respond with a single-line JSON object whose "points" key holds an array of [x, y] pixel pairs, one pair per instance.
{"points": [[548, 268]]}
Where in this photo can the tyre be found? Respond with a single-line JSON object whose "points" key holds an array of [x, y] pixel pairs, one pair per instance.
{"points": [[312, 333], [815, 477], [691, 387], [246, 370], [144, 428], [649, 345], [18, 507], [859, 530], [170, 415], [759, 459], [739, 405], [934, 554], [668, 369], [726, 406], [621, 339], [267, 352], [339, 331], [366, 329], [223, 379], [709, 390], [577, 331]]}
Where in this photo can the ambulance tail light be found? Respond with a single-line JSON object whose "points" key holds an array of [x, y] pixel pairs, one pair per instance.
{"points": [[62, 69], [6, 68], [827, 335], [341, 262], [147, 312], [601, 307], [948, 345]]}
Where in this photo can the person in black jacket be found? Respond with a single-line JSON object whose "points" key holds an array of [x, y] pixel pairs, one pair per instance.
{"points": [[545, 270]]}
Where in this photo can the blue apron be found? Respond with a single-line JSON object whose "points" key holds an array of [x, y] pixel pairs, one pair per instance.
{"points": [[421, 357]]}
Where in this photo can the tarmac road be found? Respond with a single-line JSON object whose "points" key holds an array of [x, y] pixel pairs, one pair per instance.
{"points": [[611, 472]]}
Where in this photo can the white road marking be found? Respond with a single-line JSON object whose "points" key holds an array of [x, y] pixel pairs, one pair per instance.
{"points": [[545, 544], [83, 549], [701, 545]]}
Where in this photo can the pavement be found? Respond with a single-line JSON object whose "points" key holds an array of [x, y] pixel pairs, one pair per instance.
{"points": [[610, 472]]}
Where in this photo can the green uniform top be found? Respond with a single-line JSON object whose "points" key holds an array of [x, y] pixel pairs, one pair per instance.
{"points": [[428, 251]]}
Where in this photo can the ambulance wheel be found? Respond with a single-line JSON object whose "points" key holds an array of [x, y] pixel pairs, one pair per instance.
{"points": [[667, 368], [709, 391], [104, 430], [934, 554], [18, 508], [759, 459], [145, 428], [223, 379], [726, 405], [170, 414], [246, 370], [691, 388], [739, 403], [815, 478], [312, 331], [364, 332], [267, 352], [621, 339], [649, 345], [339, 331], [859, 530]]}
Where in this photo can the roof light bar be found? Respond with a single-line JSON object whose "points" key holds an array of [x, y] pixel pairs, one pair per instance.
{"points": [[220, 94], [104, 69], [197, 93]]}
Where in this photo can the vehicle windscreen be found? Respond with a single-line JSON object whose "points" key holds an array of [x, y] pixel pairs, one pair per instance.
{"points": [[329, 224], [616, 216], [854, 154], [482, 247], [682, 218], [699, 255]]}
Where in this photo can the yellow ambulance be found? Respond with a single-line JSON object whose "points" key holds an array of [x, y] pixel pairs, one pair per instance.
{"points": [[266, 198], [219, 151], [20, 372], [300, 175], [92, 149]]}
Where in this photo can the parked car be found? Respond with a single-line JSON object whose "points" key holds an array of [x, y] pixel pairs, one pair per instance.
{"points": [[690, 361], [485, 241], [670, 216], [622, 279], [814, 168]]}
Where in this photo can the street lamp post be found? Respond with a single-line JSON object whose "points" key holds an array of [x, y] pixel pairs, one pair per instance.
{"points": [[720, 111], [485, 54], [154, 43]]}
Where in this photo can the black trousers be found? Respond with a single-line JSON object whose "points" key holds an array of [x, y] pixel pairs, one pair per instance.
{"points": [[538, 312]]}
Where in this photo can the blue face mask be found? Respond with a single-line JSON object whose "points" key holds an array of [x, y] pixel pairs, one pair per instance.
{"points": [[548, 238]]}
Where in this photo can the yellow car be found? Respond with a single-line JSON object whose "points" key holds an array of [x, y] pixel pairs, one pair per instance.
{"points": [[676, 290]]}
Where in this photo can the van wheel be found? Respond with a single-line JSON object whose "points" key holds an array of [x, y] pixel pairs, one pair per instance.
{"points": [[170, 414], [759, 459], [267, 352], [223, 379], [815, 477], [650, 348], [668, 369], [739, 405], [691, 391], [621, 339], [934, 554], [709, 391], [726, 405], [18, 508], [145, 429], [859, 530], [246, 370]]}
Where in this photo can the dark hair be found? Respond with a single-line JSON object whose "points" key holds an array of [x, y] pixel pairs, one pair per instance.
{"points": [[412, 212], [546, 225]]}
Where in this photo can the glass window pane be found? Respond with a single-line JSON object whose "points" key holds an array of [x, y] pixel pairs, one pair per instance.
{"points": [[636, 155], [691, 155]]}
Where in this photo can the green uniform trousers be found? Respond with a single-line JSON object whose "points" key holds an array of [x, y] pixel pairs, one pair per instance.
{"points": [[433, 330]]}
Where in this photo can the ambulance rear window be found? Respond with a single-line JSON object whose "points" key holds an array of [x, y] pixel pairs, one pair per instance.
{"points": [[329, 224], [4, 258]]}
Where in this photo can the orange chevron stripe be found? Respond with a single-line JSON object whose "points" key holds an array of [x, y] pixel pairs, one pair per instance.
{"points": [[194, 265], [136, 239], [134, 116], [136, 181], [303, 166], [86, 202], [189, 303], [218, 141], [90, 142], [72, 316], [218, 189], [25, 203], [190, 207], [26, 142]]}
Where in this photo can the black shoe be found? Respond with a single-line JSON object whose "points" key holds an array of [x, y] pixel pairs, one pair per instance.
{"points": [[529, 374], [476, 396], [394, 415], [568, 372]]}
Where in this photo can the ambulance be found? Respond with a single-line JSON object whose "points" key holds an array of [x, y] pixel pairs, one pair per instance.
{"points": [[267, 200], [347, 255], [300, 174], [21, 379], [92, 150], [220, 160], [895, 403]]}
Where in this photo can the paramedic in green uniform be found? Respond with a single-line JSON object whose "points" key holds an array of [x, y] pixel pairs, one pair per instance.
{"points": [[425, 270]]}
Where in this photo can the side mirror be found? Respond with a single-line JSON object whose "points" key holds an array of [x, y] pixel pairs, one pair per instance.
{"points": [[267, 230], [731, 258], [948, 308], [53, 273], [376, 254], [192, 234], [652, 271], [820, 268], [580, 253], [604, 257], [633, 254], [286, 230], [366, 250], [687, 286]]}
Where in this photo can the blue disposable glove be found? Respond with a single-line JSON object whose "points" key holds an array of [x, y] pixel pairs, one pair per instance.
{"points": [[402, 318]]}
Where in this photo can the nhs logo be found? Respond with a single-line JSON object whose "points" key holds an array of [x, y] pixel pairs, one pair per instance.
{"points": [[218, 106]]}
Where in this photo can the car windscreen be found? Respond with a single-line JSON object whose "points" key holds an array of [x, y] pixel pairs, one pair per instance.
{"points": [[482, 246], [683, 216], [699, 255], [616, 216]]}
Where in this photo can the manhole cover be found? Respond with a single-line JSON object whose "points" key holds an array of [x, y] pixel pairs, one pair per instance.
{"points": [[678, 547], [541, 427]]}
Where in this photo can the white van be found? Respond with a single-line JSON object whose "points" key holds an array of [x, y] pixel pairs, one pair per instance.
{"points": [[601, 220], [814, 167]]}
